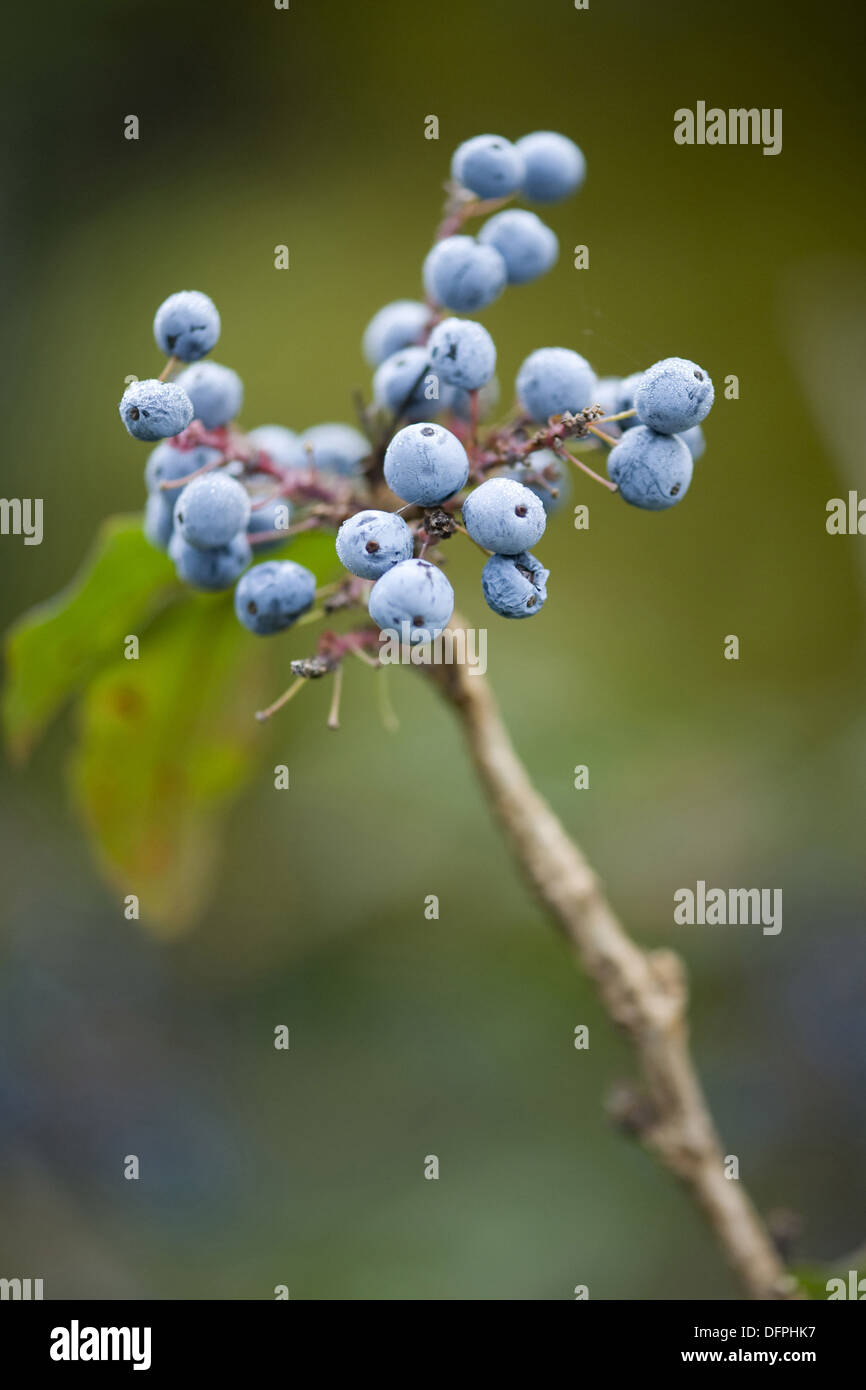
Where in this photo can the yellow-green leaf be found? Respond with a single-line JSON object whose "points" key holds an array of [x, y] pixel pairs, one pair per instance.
{"points": [[55, 648], [165, 742]]}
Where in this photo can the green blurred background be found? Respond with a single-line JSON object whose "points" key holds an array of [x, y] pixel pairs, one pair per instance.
{"points": [[411, 1037]]}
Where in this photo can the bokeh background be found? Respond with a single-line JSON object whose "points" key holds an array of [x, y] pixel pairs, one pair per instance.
{"points": [[452, 1037]]}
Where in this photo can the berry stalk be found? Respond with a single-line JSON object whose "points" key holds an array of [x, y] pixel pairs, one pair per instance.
{"points": [[644, 993]]}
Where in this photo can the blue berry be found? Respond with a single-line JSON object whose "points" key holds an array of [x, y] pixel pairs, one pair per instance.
{"points": [[542, 466], [554, 167], [462, 353], [166, 464], [651, 470], [216, 392], [515, 586], [403, 382], [425, 464], [694, 438], [395, 326], [488, 166], [553, 380], [159, 519], [464, 275], [528, 247], [673, 395], [275, 515], [211, 510], [154, 409], [273, 595], [504, 516], [210, 570], [371, 542], [186, 325], [413, 600], [335, 448], [283, 447]]}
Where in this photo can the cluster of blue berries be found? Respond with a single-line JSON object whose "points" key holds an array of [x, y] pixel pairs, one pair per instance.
{"points": [[652, 464], [427, 466], [514, 246], [217, 494], [429, 363], [464, 273], [212, 496]]}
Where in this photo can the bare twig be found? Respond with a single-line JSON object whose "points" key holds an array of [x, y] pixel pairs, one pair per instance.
{"points": [[644, 992]]}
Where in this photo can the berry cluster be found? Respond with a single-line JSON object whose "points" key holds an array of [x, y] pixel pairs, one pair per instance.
{"points": [[213, 493], [216, 494]]}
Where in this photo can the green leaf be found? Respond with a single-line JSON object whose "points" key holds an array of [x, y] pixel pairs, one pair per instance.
{"points": [[166, 742], [55, 648]]}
